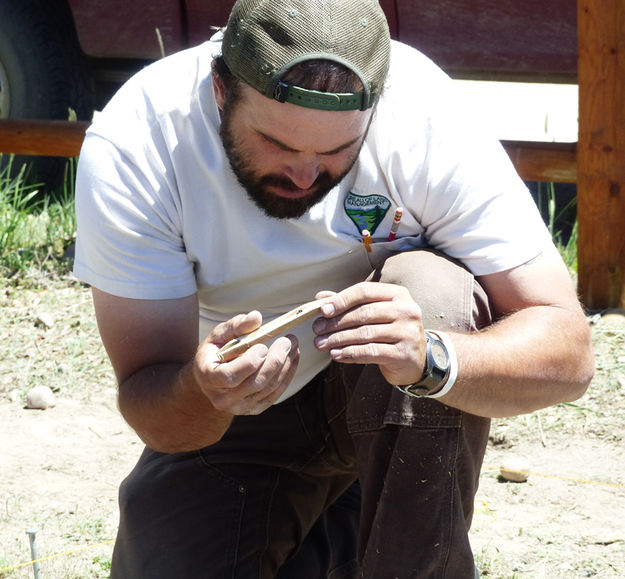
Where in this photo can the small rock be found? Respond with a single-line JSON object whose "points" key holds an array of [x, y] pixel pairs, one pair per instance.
{"points": [[40, 397], [514, 468], [44, 320], [593, 319]]}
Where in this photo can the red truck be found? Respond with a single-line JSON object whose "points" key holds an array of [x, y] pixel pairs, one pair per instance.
{"points": [[60, 54]]}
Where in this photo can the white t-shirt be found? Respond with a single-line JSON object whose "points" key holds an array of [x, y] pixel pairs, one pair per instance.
{"points": [[161, 215]]}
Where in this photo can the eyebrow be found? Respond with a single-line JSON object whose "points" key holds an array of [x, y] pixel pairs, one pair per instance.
{"points": [[292, 150]]}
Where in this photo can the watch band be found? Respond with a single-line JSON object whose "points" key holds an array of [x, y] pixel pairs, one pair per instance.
{"points": [[453, 365], [435, 382]]}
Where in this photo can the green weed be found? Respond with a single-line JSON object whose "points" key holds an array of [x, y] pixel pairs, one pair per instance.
{"points": [[554, 216], [35, 230]]}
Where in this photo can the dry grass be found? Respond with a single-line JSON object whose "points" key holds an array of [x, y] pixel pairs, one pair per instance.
{"points": [[48, 337]]}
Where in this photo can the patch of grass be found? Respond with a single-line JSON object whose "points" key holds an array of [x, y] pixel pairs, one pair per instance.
{"points": [[67, 355], [89, 529], [35, 229], [490, 564], [103, 564], [554, 216], [598, 415]]}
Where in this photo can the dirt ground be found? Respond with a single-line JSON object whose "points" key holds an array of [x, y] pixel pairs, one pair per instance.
{"points": [[60, 467]]}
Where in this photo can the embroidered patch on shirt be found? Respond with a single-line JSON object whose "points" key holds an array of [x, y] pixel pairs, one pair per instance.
{"points": [[366, 211]]}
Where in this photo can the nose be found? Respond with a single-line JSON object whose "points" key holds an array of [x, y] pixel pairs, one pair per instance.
{"points": [[304, 171]]}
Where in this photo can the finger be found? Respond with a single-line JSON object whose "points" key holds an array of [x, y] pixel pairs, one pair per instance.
{"points": [[368, 313], [401, 313], [266, 379], [324, 294], [395, 371], [284, 378], [396, 367], [265, 387], [235, 327], [372, 353], [359, 293], [229, 375], [255, 404], [358, 335]]}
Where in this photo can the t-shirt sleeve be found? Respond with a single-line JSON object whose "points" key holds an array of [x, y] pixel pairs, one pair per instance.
{"points": [[452, 175], [129, 233], [478, 209]]}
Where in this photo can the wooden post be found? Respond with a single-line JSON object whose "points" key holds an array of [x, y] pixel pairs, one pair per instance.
{"points": [[601, 153]]}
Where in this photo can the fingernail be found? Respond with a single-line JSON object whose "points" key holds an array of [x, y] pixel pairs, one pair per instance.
{"points": [[319, 326], [286, 346], [327, 309], [321, 342]]}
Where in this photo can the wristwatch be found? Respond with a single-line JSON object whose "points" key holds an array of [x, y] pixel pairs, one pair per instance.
{"points": [[437, 369]]}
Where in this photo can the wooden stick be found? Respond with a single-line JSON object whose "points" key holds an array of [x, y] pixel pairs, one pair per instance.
{"points": [[269, 330]]}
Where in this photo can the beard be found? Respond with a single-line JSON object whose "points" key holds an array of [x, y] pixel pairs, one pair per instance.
{"points": [[258, 186]]}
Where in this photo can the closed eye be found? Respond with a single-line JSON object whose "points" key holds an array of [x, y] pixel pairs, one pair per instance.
{"points": [[284, 147]]}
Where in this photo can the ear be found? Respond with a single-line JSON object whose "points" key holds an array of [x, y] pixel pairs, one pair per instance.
{"points": [[219, 90]]}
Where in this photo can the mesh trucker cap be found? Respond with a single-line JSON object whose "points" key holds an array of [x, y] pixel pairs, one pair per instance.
{"points": [[265, 38]]}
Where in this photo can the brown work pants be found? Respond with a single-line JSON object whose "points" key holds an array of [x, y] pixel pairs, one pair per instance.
{"points": [[348, 478]]}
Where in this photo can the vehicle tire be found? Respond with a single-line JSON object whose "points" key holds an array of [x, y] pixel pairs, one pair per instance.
{"points": [[43, 72]]}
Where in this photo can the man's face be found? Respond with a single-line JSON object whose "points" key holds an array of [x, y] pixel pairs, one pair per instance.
{"points": [[289, 157]]}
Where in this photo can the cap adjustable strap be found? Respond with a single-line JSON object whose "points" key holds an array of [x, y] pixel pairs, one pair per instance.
{"points": [[314, 99]]}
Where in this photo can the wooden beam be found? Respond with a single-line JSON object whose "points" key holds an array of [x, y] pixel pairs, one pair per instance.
{"points": [[601, 153], [544, 161], [533, 161], [34, 137]]}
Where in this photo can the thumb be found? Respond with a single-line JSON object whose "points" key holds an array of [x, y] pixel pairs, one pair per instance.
{"points": [[235, 327]]}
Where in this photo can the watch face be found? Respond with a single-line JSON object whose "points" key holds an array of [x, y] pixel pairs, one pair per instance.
{"points": [[436, 372], [439, 354]]}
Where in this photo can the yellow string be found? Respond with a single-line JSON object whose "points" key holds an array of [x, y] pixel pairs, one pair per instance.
{"points": [[487, 510], [41, 559], [576, 480]]}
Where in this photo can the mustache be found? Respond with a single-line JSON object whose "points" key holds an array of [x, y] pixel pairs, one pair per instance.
{"points": [[323, 180]]}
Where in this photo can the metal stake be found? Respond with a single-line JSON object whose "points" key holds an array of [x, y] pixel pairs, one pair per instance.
{"points": [[32, 536]]}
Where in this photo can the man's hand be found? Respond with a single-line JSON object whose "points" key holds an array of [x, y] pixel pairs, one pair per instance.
{"points": [[374, 323], [176, 395], [252, 382], [538, 352]]}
